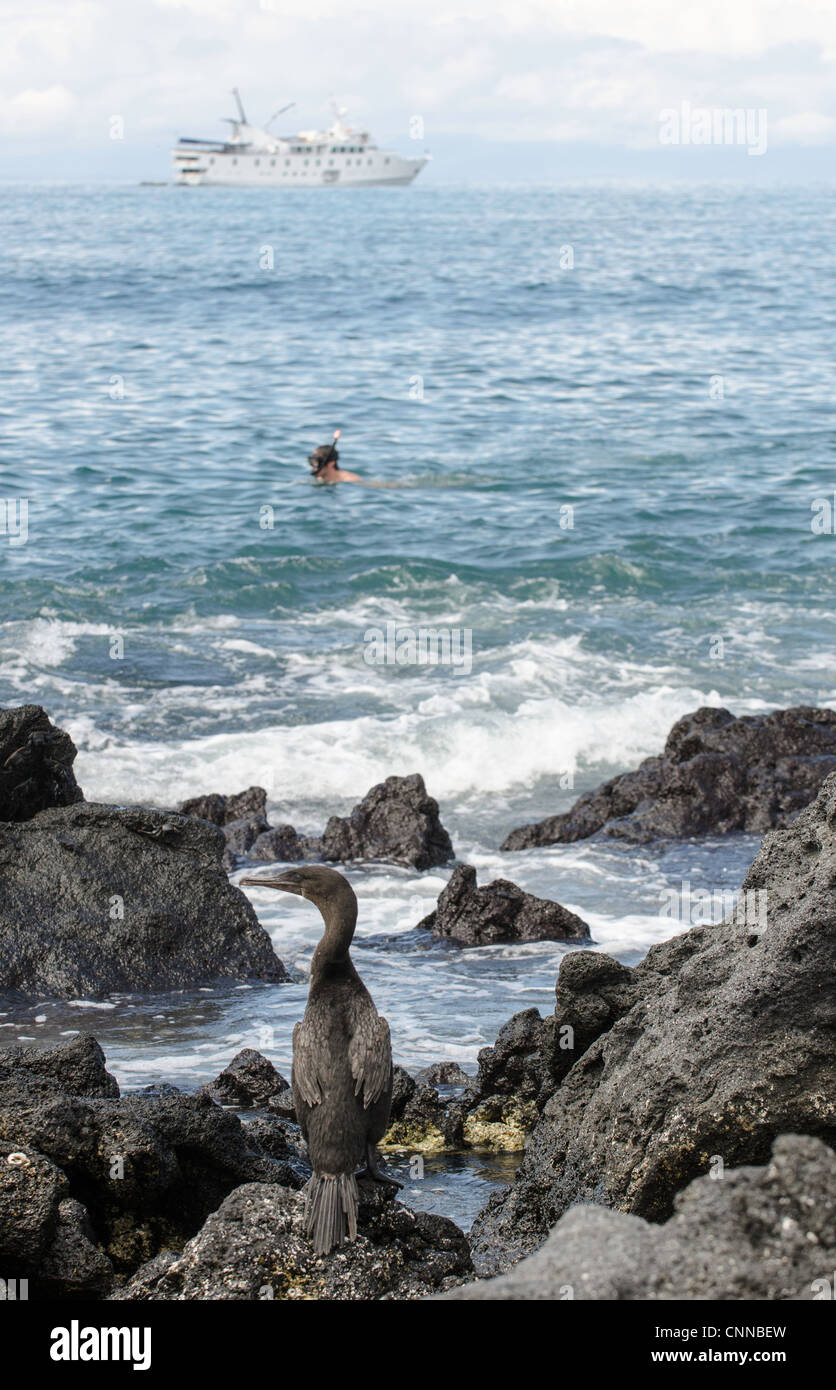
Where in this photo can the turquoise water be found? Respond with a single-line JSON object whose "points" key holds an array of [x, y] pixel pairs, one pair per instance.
{"points": [[670, 392]]}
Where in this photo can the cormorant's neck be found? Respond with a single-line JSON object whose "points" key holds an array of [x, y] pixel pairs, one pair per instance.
{"points": [[340, 918]]}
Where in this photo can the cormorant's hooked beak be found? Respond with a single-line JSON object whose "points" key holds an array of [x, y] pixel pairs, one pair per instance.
{"points": [[281, 881]]}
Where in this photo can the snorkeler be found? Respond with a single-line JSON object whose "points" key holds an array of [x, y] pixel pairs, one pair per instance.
{"points": [[323, 462]]}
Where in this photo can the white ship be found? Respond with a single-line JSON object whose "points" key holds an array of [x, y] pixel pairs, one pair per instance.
{"points": [[252, 157]]}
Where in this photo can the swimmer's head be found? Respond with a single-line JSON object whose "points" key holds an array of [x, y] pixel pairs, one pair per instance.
{"points": [[325, 454]]}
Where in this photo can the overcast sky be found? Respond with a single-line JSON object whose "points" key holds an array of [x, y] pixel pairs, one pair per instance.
{"points": [[574, 85]]}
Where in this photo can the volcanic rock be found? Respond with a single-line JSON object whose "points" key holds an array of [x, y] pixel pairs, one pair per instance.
{"points": [[95, 899], [248, 1082], [754, 1233], [254, 1247], [501, 911], [36, 764], [731, 1041], [717, 774], [396, 821]]}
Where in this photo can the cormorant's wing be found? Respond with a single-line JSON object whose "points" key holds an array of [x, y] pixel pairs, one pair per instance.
{"points": [[370, 1057], [304, 1064]]}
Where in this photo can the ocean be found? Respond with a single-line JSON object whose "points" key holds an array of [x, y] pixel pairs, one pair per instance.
{"points": [[604, 417]]}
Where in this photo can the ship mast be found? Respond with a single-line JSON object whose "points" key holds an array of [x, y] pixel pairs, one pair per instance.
{"points": [[280, 112], [241, 115]]}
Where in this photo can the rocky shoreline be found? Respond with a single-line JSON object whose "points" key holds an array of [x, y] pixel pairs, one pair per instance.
{"points": [[678, 1117], [716, 774]]}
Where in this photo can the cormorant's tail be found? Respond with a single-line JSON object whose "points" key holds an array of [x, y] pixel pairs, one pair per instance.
{"points": [[331, 1210]]}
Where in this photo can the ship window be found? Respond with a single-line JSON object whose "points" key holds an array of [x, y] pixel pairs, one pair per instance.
{"points": [[235, 161], [319, 161], [386, 161], [368, 161], [287, 161], [258, 161], [307, 161], [272, 163], [331, 161], [211, 159]]}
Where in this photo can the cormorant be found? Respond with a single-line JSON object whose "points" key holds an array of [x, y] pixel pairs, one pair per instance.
{"points": [[342, 1062]]}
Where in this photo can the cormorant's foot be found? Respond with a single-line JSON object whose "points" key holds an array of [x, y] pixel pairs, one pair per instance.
{"points": [[377, 1175]]}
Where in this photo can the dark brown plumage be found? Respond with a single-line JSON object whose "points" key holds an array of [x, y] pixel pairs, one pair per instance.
{"points": [[342, 1061]]}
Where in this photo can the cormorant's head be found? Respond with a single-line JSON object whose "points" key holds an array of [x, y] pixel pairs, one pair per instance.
{"points": [[314, 882]]}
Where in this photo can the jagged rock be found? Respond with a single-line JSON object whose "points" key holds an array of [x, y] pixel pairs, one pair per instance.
{"points": [[730, 1042], [424, 1124], [403, 1089], [95, 899], [241, 835], [248, 1082], [488, 1112], [77, 1066], [223, 810], [277, 1137], [756, 1234], [281, 1139], [148, 1167], [499, 1123], [281, 844], [501, 911], [73, 1266], [282, 1104], [591, 993], [718, 773], [396, 821], [517, 1064], [254, 1247], [516, 1076], [45, 1235], [211, 807], [246, 805], [36, 764], [442, 1074], [31, 1189]]}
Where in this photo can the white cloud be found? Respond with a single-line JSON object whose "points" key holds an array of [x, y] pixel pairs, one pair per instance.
{"points": [[591, 70], [527, 88], [33, 111], [805, 128]]}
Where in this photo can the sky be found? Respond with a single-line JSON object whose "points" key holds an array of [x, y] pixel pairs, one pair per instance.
{"points": [[504, 89]]}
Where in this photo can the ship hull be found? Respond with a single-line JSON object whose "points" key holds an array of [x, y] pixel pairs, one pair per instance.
{"points": [[226, 170]]}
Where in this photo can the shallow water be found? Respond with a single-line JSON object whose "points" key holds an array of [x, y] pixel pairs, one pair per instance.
{"points": [[673, 388]]}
